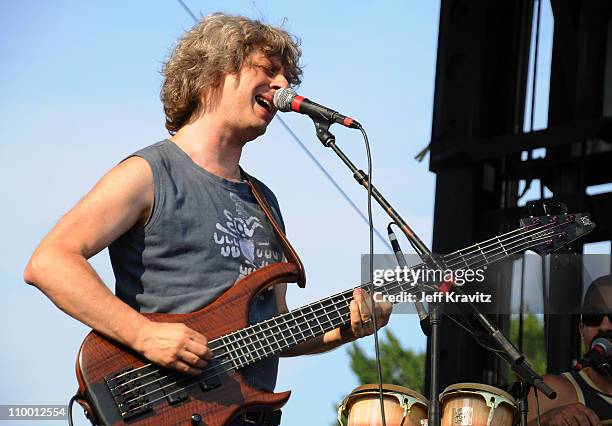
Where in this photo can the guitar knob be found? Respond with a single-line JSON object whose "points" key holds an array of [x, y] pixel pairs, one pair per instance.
{"points": [[196, 419]]}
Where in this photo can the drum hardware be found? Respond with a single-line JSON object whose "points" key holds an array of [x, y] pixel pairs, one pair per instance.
{"points": [[475, 404], [403, 407]]}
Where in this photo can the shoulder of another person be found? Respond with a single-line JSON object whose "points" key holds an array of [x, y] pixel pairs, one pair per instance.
{"points": [[566, 393], [602, 383]]}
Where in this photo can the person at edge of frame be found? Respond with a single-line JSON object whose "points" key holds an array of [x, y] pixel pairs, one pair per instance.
{"points": [[584, 398]]}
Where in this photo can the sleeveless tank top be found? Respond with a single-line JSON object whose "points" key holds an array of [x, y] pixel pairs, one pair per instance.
{"points": [[204, 234], [587, 395]]}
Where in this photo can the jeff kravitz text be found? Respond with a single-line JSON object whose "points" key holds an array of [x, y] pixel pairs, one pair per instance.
{"points": [[436, 297]]}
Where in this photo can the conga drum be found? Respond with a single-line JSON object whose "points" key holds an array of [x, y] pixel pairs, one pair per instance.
{"points": [[475, 404], [403, 407]]}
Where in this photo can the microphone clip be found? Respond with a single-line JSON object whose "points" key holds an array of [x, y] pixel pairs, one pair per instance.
{"points": [[323, 133]]}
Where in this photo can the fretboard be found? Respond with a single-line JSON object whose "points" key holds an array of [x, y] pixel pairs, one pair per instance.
{"points": [[280, 333]]}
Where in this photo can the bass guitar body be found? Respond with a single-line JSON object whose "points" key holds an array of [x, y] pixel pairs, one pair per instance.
{"points": [[118, 386]]}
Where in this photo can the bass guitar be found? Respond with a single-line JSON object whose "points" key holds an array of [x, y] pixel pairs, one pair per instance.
{"points": [[118, 386]]}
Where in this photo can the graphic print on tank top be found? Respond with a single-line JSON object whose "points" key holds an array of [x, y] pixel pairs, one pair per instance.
{"points": [[242, 235]]}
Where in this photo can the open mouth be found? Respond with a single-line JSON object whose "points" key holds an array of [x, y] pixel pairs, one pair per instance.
{"points": [[266, 104]]}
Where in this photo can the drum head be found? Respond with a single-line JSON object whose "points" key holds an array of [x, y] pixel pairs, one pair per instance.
{"points": [[372, 387], [475, 387]]}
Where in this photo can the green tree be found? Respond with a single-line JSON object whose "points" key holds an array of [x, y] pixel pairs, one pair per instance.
{"points": [[399, 366], [534, 344]]}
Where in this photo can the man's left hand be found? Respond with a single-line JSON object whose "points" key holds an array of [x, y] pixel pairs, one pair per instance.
{"points": [[362, 323]]}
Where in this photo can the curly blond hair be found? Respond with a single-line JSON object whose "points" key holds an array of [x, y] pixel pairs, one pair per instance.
{"points": [[216, 46]]}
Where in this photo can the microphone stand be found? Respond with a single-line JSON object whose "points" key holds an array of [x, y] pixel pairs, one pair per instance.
{"points": [[520, 390], [515, 358]]}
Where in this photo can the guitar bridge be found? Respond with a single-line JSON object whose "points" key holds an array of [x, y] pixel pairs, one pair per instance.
{"points": [[132, 390]]}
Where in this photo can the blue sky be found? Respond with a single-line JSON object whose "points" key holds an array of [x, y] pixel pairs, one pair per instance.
{"points": [[80, 91]]}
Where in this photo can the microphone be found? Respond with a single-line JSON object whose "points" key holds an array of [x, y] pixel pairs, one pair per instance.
{"points": [[601, 348], [286, 100], [423, 315]]}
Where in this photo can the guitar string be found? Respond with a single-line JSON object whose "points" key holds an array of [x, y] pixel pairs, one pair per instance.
{"points": [[506, 237], [464, 256], [199, 380], [526, 228], [237, 363], [495, 241], [254, 342], [280, 348]]}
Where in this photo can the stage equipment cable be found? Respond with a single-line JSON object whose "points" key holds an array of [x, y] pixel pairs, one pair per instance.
{"points": [[371, 273], [70, 404]]}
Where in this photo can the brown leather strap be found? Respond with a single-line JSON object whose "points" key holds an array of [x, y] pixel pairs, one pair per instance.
{"points": [[290, 252]]}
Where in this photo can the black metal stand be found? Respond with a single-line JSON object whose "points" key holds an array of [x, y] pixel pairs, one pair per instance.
{"points": [[515, 358], [520, 390], [435, 317]]}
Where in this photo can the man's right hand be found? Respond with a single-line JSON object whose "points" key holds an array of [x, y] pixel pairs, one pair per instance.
{"points": [[575, 414], [174, 345]]}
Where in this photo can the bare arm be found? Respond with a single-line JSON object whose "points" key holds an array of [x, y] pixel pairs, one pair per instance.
{"points": [[563, 410], [59, 268], [360, 312]]}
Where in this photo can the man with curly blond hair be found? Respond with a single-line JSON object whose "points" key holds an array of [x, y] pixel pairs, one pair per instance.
{"points": [[178, 217], [218, 46]]}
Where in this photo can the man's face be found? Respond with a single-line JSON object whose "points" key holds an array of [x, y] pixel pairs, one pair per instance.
{"points": [[593, 323], [591, 332], [245, 102]]}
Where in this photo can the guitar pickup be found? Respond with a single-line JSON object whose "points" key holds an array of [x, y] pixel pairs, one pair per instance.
{"points": [[210, 379], [209, 384], [173, 393]]}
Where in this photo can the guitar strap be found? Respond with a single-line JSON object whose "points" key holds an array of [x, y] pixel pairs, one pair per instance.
{"points": [[290, 252]]}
